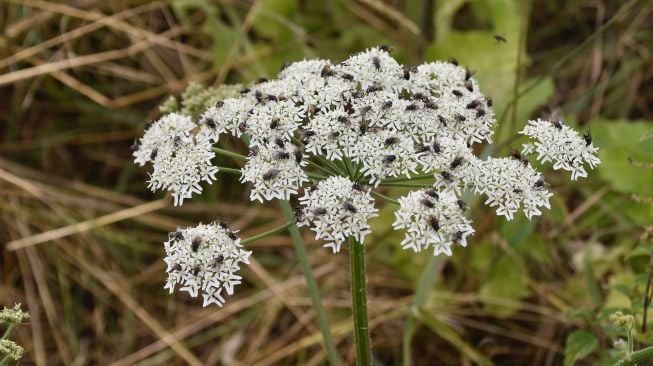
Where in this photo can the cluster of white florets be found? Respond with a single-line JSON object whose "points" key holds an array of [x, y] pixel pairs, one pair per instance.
{"points": [[375, 121], [204, 258], [562, 145], [336, 209]]}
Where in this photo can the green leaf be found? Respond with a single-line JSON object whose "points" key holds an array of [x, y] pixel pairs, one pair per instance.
{"points": [[579, 345], [507, 285], [617, 140]]}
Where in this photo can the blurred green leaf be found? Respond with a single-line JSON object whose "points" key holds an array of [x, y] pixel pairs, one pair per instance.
{"points": [[579, 344], [507, 284]]}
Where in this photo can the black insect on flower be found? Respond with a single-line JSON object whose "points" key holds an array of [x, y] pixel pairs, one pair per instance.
{"points": [[469, 85], [386, 48], [473, 104], [219, 104], [232, 235], [420, 149], [359, 187], [459, 117], [299, 213], [453, 61], [223, 225], [348, 206], [557, 125], [245, 90], [196, 270], [275, 123], [412, 107], [305, 135], [433, 223], [480, 112], [177, 235], [348, 77], [539, 183], [442, 120], [457, 93], [391, 141], [282, 155], [298, 153], [386, 104], [389, 159], [457, 162], [518, 191], [261, 80], [588, 138], [327, 71], [270, 174], [195, 244], [242, 127], [319, 211], [176, 267], [332, 136], [457, 237], [427, 203], [431, 105], [218, 260], [436, 147], [468, 74], [374, 88], [461, 205], [376, 62], [488, 101], [447, 176], [432, 193], [154, 153], [280, 142]]}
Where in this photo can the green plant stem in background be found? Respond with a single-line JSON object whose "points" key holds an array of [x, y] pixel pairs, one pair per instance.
{"points": [[267, 233], [359, 303], [313, 291], [8, 331], [421, 295], [382, 196], [229, 153], [636, 357]]}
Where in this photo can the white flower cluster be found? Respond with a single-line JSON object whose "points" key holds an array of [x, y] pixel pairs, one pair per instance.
{"points": [[180, 154], [336, 209], [204, 258], [562, 145], [432, 218], [368, 118]]}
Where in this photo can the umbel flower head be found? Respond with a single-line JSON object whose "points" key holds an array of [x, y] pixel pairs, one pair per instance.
{"points": [[340, 131], [204, 258]]}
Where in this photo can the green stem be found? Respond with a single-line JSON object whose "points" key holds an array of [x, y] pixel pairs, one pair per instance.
{"points": [[229, 153], [424, 286], [382, 196], [4, 360], [229, 170], [8, 331], [313, 290], [403, 179], [405, 185], [637, 357], [266, 234], [359, 303]]}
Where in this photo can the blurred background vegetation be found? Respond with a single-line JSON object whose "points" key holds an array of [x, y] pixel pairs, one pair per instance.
{"points": [[80, 235]]}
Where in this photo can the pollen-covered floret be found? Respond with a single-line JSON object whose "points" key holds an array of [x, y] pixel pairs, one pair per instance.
{"points": [[205, 259], [337, 209], [562, 145], [183, 160], [432, 218]]}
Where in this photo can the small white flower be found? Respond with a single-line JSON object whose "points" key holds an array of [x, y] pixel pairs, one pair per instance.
{"points": [[432, 218], [182, 161], [275, 170], [227, 116], [205, 259], [158, 133], [562, 145], [337, 209]]}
